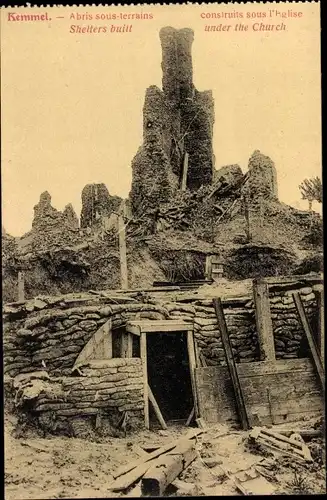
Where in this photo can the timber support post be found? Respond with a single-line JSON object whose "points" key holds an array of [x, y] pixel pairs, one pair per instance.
{"points": [[263, 320], [240, 403], [185, 170], [21, 286], [319, 292], [122, 247], [143, 349], [308, 332]]}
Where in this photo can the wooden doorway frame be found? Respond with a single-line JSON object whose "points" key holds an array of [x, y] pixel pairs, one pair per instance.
{"points": [[144, 328]]}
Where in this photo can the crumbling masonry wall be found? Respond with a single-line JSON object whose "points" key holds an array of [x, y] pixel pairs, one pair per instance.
{"points": [[262, 177], [176, 120], [96, 204], [52, 228]]}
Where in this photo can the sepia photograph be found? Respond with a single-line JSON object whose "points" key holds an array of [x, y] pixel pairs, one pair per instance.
{"points": [[162, 250]]}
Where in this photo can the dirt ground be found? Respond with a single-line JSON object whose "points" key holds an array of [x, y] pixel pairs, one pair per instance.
{"points": [[60, 467]]}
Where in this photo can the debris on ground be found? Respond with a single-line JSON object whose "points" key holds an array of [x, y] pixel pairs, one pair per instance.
{"points": [[60, 467], [292, 446]]}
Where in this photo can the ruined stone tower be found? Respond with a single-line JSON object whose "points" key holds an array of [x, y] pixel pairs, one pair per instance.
{"points": [[176, 120], [262, 176], [97, 203]]}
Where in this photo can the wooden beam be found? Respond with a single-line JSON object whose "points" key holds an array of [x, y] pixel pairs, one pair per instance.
{"points": [[21, 286], [133, 329], [247, 219], [107, 340], [321, 324], [148, 326], [143, 350], [197, 354], [185, 170], [208, 271], [96, 347], [156, 408], [166, 468], [192, 363], [263, 320], [312, 345], [126, 348], [231, 364], [190, 417], [123, 470], [122, 248]]}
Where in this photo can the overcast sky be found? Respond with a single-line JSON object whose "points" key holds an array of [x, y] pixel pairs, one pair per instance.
{"points": [[72, 104]]}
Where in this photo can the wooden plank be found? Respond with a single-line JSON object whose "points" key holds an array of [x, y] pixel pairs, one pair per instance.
{"points": [[94, 345], [254, 369], [208, 270], [129, 345], [154, 454], [107, 340], [190, 417], [215, 395], [126, 346], [192, 363], [217, 403], [185, 170], [168, 328], [231, 363], [310, 278], [126, 480], [157, 326], [168, 288], [167, 468], [21, 286], [321, 325], [156, 408], [133, 329], [122, 248], [263, 320], [143, 349], [310, 339], [284, 386], [304, 433], [197, 354], [246, 206]]}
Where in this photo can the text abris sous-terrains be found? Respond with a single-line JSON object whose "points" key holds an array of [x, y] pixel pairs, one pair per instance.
{"points": [[268, 20], [110, 28]]}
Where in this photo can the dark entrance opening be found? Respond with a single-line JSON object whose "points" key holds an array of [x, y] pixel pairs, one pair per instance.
{"points": [[169, 375]]}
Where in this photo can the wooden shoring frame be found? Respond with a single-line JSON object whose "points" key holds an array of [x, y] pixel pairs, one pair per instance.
{"points": [[240, 403], [140, 328], [308, 332], [263, 320]]}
